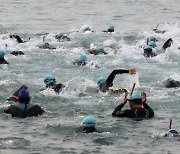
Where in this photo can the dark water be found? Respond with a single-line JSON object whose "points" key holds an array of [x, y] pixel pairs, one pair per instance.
{"points": [[56, 131]]}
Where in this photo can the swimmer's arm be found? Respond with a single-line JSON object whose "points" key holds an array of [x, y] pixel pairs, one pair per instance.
{"points": [[145, 105]]}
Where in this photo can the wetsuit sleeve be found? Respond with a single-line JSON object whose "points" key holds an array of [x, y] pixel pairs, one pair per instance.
{"points": [[122, 113], [8, 110], [109, 81], [150, 111]]}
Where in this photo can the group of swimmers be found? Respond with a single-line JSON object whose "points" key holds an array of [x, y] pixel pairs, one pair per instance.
{"points": [[139, 109]]}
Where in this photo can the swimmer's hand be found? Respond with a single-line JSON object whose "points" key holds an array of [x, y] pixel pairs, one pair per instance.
{"points": [[143, 96], [132, 71], [124, 101]]}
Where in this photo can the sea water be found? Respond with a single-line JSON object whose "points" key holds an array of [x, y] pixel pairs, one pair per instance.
{"points": [[57, 131]]}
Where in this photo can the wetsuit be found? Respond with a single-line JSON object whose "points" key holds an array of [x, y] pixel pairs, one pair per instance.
{"points": [[137, 113], [89, 130], [95, 52], [172, 83], [80, 63], [21, 110], [109, 82], [17, 37], [46, 46], [167, 44], [16, 53], [57, 87], [149, 53], [3, 61], [62, 38]]}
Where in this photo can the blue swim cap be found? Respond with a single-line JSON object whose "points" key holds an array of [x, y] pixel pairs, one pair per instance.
{"points": [[100, 48], [23, 93], [48, 79], [169, 78], [101, 80], [82, 58], [152, 44], [1, 53], [148, 47], [89, 122], [135, 95], [111, 27]]}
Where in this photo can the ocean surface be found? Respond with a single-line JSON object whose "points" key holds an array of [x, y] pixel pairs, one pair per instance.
{"points": [[59, 129]]}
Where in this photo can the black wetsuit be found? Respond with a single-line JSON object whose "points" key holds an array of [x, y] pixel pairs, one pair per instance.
{"points": [[137, 113], [149, 53], [17, 37], [3, 61], [62, 38], [57, 88], [89, 130], [16, 53], [21, 110], [109, 82], [80, 63], [46, 46], [172, 83], [96, 52], [167, 44]]}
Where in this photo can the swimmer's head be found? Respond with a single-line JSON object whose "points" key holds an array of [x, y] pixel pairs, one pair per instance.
{"points": [[100, 48], [89, 121], [101, 80], [135, 98], [148, 48], [1, 54], [82, 58], [111, 27], [48, 79], [169, 78], [152, 44], [23, 95]]}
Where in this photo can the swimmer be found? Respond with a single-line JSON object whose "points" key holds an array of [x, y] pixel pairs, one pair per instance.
{"points": [[171, 83], [62, 37], [99, 50], [110, 29], [24, 108], [46, 45], [17, 37], [81, 60], [139, 109], [2, 60], [104, 83], [89, 125], [171, 132], [14, 97], [50, 82]]}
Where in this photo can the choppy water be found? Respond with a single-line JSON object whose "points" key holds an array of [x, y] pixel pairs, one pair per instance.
{"points": [[56, 131]]}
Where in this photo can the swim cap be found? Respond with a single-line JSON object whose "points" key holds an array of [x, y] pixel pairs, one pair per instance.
{"points": [[89, 122], [1, 54], [147, 47], [48, 79], [23, 93], [169, 78], [100, 48], [152, 44], [87, 29], [101, 80], [82, 58], [135, 95], [111, 27]]}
